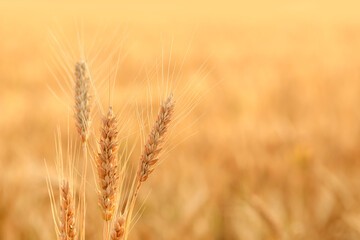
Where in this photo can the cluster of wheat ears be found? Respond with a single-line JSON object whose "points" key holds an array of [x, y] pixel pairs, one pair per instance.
{"points": [[71, 214]]}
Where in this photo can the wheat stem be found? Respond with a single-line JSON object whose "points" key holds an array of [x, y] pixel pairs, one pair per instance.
{"points": [[83, 189]]}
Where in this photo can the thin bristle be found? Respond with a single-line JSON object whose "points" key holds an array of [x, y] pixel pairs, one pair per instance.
{"points": [[119, 229], [67, 213], [153, 145], [82, 100], [107, 165]]}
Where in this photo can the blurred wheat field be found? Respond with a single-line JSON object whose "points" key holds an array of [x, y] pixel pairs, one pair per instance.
{"points": [[276, 150]]}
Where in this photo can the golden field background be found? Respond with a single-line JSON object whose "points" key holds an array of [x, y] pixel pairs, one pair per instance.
{"points": [[276, 150]]}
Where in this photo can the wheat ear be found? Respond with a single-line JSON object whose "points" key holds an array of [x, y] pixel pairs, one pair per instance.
{"points": [[107, 165], [82, 100], [152, 149], [67, 213], [119, 229]]}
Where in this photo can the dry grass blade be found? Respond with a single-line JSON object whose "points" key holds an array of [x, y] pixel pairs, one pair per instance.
{"points": [[153, 145], [119, 229], [107, 165], [67, 213], [82, 100]]}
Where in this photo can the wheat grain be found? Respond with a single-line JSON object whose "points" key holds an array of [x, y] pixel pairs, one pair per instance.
{"points": [[119, 229]]}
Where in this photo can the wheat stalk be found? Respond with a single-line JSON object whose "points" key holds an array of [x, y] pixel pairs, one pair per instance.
{"points": [[67, 213], [107, 165], [82, 119]]}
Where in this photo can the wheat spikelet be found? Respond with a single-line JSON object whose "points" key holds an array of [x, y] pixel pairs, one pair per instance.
{"points": [[119, 229], [153, 145], [67, 213], [82, 100], [107, 165]]}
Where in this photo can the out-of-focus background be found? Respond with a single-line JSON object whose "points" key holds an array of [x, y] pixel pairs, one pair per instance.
{"points": [[275, 154]]}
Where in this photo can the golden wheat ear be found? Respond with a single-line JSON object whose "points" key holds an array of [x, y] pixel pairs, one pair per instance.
{"points": [[82, 100], [107, 165], [67, 229], [152, 147], [150, 155]]}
